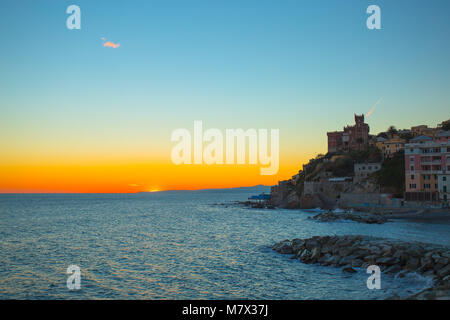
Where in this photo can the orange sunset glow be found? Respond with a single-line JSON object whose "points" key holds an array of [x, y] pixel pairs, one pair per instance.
{"points": [[130, 178]]}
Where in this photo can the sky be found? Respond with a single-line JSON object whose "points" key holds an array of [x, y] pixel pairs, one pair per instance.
{"points": [[79, 116]]}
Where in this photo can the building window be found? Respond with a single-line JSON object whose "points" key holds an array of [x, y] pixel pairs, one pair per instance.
{"points": [[444, 178], [412, 168], [412, 177], [426, 186], [412, 186]]}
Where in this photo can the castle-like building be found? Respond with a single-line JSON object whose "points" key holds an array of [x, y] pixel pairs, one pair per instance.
{"points": [[354, 137]]}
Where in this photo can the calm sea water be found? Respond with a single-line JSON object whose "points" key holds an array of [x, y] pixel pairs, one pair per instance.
{"points": [[177, 245]]}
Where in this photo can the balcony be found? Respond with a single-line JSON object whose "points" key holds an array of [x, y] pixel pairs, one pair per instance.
{"points": [[431, 171]]}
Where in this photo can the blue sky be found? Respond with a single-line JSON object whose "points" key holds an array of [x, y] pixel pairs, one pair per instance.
{"points": [[302, 66]]}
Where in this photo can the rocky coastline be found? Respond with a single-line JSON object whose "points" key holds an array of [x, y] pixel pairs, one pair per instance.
{"points": [[249, 204], [256, 205], [353, 216], [392, 256]]}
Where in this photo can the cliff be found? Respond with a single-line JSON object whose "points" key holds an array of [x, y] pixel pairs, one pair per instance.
{"points": [[327, 182], [323, 194]]}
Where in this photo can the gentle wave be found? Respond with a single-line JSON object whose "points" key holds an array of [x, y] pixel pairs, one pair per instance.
{"points": [[177, 246]]}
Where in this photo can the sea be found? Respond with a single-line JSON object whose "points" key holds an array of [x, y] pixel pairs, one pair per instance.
{"points": [[180, 245]]}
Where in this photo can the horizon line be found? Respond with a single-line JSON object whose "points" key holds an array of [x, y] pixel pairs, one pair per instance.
{"points": [[200, 189]]}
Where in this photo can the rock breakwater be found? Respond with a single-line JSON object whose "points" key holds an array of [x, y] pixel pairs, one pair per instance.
{"points": [[392, 256]]}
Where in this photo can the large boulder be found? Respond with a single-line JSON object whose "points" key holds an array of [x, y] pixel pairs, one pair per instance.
{"points": [[283, 247], [297, 245], [443, 272]]}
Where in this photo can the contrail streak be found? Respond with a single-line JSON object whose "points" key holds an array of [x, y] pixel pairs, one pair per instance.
{"points": [[373, 108]]}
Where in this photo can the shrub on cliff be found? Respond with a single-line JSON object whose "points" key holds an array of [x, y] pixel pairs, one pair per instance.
{"points": [[342, 167], [370, 154], [446, 126], [392, 173], [407, 136], [300, 184]]}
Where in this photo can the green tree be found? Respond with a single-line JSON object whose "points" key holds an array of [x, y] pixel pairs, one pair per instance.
{"points": [[446, 126], [343, 167], [407, 136], [383, 135], [392, 130]]}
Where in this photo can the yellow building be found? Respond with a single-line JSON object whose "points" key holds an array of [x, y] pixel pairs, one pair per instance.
{"points": [[423, 130], [389, 147]]}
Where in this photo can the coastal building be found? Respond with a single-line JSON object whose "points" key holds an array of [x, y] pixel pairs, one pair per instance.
{"points": [[444, 177], [442, 136], [372, 140], [444, 186], [421, 139], [363, 170], [423, 130], [404, 132], [380, 141], [335, 141], [354, 137], [389, 147], [427, 167], [417, 130], [430, 132]]}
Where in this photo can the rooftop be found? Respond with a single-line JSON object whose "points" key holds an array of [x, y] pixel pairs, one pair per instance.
{"points": [[421, 138]]}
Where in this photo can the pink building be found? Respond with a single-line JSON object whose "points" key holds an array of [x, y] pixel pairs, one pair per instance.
{"points": [[427, 168]]}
